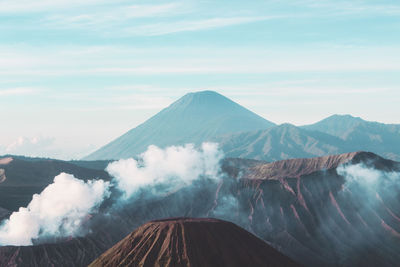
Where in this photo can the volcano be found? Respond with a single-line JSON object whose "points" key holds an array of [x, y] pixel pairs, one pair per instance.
{"points": [[194, 118], [192, 242]]}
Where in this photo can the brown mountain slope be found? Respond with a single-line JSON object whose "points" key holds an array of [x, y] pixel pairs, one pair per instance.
{"points": [[192, 242], [295, 168]]}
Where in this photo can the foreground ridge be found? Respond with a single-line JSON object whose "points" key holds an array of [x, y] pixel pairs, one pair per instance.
{"points": [[192, 242]]}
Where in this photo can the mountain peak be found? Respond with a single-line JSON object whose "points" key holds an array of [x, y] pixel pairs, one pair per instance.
{"points": [[205, 93], [192, 242], [336, 125], [205, 99], [194, 118], [286, 126], [346, 117]]}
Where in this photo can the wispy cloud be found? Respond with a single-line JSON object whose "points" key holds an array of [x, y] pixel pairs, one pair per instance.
{"points": [[357, 7], [123, 19], [115, 17], [127, 99], [191, 25], [27, 6], [42, 146], [125, 61], [18, 91]]}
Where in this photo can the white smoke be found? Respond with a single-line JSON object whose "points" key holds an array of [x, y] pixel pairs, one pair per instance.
{"points": [[59, 210], [367, 177], [163, 170], [62, 208], [227, 207]]}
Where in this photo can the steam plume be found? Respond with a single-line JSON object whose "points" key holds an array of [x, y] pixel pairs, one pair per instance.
{"points": [[369, 178], [59, 210], [163, 170]]}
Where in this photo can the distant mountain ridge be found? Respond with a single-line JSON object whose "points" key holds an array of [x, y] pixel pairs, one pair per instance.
{"points": [[194, 118], [209, 116], [343, 125], [327, 137], [380, 138], [281, 142]]}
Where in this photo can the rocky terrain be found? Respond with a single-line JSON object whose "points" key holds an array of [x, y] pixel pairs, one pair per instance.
{"points": [[308, 209]]}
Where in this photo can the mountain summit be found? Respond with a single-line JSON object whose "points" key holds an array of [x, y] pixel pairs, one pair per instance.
{"points": [[194, 118]]}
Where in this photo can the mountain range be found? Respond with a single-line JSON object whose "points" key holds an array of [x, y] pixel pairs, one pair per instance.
{"points": [[285, 193], [209, 116]]}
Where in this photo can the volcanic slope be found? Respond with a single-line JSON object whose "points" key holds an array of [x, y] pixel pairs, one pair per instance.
{"points": [[183, 242], [305, 208], [194, 118]]}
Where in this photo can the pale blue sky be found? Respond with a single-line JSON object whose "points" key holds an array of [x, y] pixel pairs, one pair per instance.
{"points": [[76, 74]]}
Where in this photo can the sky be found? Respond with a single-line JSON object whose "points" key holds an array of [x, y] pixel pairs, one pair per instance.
{"points": [[75, 75]]}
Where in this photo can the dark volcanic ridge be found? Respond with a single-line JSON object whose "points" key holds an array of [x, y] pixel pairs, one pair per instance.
{"points": [[192, 242], [295, 168]]}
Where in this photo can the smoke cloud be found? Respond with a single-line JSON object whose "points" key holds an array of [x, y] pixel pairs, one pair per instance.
{"points": [[63, 207], [163, 170], [59, 210], [368, 178]]}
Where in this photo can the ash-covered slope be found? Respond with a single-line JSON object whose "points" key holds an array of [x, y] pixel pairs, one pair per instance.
{"points": [[194, 118], [181, 242], [339, 210], [295, 168]]}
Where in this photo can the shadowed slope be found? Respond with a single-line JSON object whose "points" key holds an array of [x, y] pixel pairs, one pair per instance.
{"points": [[192, 242]]}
